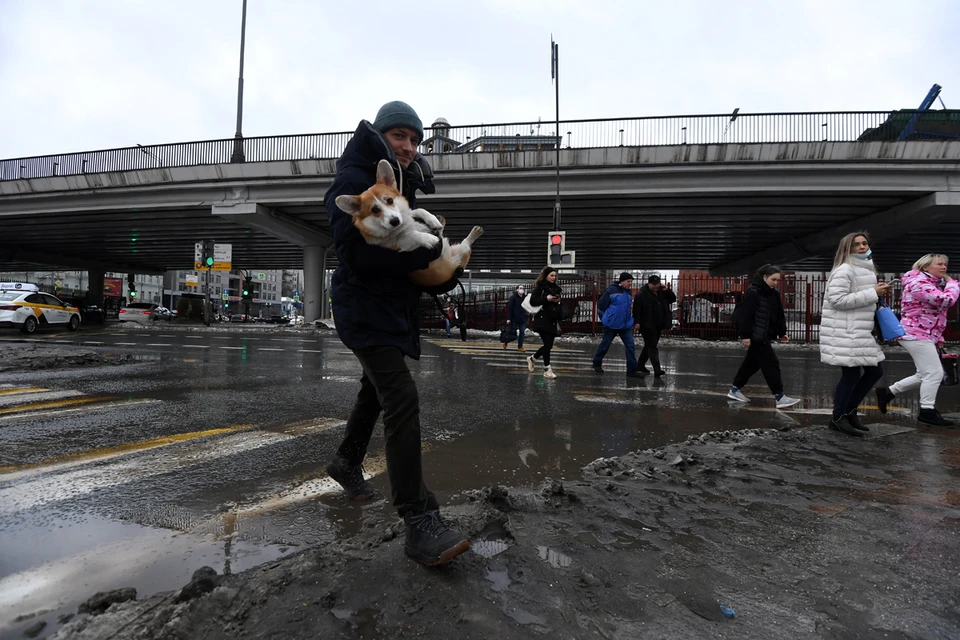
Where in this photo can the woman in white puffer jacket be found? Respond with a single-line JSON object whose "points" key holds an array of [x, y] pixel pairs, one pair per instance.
{"points": [[846, 329]]}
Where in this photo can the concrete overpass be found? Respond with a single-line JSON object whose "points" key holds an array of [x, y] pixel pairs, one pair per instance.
{"points": [[719, 206]]}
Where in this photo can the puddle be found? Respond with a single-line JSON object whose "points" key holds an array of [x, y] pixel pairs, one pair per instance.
{"points": [[617, 540], [523, 617], [554, 558], [364, 621], [489, 548], [500, 580]]}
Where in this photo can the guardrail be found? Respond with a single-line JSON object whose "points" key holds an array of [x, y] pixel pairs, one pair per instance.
{"points": [[736, 128]]}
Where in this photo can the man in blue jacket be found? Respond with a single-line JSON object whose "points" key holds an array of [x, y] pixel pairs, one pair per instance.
{"points": [[376, 309], [615, 306], [517, 315]]}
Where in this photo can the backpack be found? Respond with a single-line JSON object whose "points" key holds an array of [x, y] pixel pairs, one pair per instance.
{"points": [[617, 315], [737, 315]]}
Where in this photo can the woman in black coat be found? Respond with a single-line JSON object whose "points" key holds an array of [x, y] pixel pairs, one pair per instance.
{"points": [[760, 321], [546, 323]]}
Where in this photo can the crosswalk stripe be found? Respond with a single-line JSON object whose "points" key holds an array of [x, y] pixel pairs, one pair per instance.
{"points": [[36, 406], [14, 399], [18, 390], [86, 408]]}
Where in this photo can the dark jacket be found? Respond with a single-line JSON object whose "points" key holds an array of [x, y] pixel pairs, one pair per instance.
{"points": [[604, 303], [652, 310], [547, 320], [515, 311], [761, 317], [374, 302]]}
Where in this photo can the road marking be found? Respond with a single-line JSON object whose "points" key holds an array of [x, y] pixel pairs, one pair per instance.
{"points": [[36, 406], [124, 344], [87, 408], [12, 398], [196, 346], [58, 463], [233, 347], [91, 342], [166, 336], [19, 390], [222, 337], [193, 337], [268, 349], [159, 344], [309, 351], [118, 334]]}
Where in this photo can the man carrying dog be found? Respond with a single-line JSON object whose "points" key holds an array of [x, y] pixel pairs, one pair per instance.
{"points": [[651, 311], [377, 314], [614, 305]]}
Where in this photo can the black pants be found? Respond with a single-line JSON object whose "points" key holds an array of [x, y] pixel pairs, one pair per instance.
{"points": [[387, 386], [853, 388], [544, 351], [650, 351], [760, 357]]}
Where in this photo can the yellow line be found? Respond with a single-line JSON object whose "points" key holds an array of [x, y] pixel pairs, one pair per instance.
{"points": [[50, 404], [22, 390], [129, 447]]}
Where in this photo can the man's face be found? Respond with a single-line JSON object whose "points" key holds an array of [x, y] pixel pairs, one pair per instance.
{"points": [[654, 286], [404, 143], [626, 284]]}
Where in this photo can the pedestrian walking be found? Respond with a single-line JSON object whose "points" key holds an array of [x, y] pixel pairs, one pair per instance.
{"points": [[517, 316], [846, 329], [927, 294], [760, 321], [546, 323], [615, 306], [377, 316], [651, 312]]}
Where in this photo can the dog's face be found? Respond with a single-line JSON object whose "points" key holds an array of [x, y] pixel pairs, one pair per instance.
{"points": [[378, 210]]}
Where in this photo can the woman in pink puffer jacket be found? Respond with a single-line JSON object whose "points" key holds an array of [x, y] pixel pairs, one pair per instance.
{"points": [[927, 294]]}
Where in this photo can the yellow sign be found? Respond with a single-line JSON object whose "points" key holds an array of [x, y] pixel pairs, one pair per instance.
{"points": [[217, 266]]}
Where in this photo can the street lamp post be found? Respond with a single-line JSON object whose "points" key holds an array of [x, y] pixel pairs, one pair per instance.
{"points": [[238, 137], [555, 75]]}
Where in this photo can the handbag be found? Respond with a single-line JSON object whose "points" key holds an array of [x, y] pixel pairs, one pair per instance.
{"points": [[508, 334], [528, 307], [890, 327], [951, 371]]}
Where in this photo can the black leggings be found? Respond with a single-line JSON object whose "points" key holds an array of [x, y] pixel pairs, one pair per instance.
{"points": [[853, 388], [544, 351]]}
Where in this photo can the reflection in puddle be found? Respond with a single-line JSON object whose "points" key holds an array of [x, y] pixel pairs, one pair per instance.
{"points": [[500, 580], [489, 548], [555, 559]]}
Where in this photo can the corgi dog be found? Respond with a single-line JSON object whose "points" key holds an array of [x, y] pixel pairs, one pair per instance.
{"points": [[384, 218]]}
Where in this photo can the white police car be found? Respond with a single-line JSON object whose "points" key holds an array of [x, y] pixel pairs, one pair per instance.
{"points": [[23, 306]]}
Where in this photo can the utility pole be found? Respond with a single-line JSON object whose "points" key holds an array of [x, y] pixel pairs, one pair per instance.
{"points": [[238, 137], [555, 76]]}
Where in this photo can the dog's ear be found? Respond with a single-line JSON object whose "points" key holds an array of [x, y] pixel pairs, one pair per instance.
{"points": [[385, 175], [349, 204]]}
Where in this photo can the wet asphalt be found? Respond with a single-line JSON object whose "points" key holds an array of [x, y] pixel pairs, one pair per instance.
{"points": [[209, 447]]}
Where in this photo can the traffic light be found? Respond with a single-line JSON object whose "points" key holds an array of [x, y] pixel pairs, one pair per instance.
{"points": [[557, 256], [207, 257], [247, 293], [132, 285]]}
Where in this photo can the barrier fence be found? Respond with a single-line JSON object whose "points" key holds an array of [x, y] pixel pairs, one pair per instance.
{"points": [[704, 307]]}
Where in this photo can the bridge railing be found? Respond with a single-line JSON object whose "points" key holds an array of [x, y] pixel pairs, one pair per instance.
{"points": [[573, 134]]}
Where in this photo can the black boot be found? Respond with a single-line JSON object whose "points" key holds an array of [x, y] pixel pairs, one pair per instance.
{"points": [[933, 417], [841, 424], [854, 421], [350, 477], [883, 398], [429, 541]]}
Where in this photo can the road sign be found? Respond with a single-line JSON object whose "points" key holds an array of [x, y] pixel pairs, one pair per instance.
{"points": [[225, 296], [192, 280], [261, 276], [222, 257], [58, 283]]}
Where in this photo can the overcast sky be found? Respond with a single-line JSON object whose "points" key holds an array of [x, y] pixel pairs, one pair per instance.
{"points": [[78, 75]]}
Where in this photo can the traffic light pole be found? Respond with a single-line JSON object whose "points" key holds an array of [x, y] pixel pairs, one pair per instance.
{"points": [[206, 305]]}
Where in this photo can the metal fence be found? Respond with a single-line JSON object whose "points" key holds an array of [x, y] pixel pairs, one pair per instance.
{"points": [[573, 134], [704, 307]]}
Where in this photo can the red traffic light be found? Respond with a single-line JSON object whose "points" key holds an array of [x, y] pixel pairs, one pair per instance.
{"points": [[556, 238]]}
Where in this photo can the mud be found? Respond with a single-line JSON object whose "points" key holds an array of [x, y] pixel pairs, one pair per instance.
{"points": [[17, 356], [798, 533]]}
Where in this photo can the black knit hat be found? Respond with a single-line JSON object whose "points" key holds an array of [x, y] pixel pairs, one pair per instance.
{"points": [[654, 279], [398, 114], [625, 276]]}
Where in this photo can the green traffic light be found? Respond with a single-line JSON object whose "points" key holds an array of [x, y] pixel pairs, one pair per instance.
{"points": [[209, 261], [133, 294]]}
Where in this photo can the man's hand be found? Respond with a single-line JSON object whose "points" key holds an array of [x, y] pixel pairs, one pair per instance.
{"points": [[508, 322], [746, 342], [785, 339]]}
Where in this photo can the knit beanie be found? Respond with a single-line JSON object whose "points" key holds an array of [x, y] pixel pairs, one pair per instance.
{"points": [[398, 114], [624, 276], [654, 279]]}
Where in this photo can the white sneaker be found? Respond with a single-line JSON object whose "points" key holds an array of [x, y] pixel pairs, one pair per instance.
{"points": [[786, 401], [530, 363], [549, 374], [734, 394]]}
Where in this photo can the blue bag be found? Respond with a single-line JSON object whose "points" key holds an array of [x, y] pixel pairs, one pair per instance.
{"points": [[890, 327]]}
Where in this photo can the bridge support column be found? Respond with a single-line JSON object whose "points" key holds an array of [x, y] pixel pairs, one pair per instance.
{"points": [[314, 263], [95, 287]]}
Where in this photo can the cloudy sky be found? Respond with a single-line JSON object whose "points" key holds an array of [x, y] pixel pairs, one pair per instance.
{"points": [[80, 75]]}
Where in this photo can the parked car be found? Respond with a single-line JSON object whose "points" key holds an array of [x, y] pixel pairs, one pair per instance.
{"points": [[91, 314], [141, 312], [162, 313]]}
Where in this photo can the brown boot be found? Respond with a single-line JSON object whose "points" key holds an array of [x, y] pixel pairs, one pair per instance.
{"points": [[521, 350], [504, 345]]}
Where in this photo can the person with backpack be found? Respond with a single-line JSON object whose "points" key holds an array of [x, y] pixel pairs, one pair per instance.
{"points": [[615, 305], [760, 321]]}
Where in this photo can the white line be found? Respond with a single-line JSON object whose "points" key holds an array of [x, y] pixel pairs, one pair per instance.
{"points": [[87, 408], [118, 334], [159, 344], [268, 349], [222, 337], [14, 399], [143, 335], [233, 347], [166, 336], [196, 346], [193, 337], [309, 351], [124, 344], [91, 342]]}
